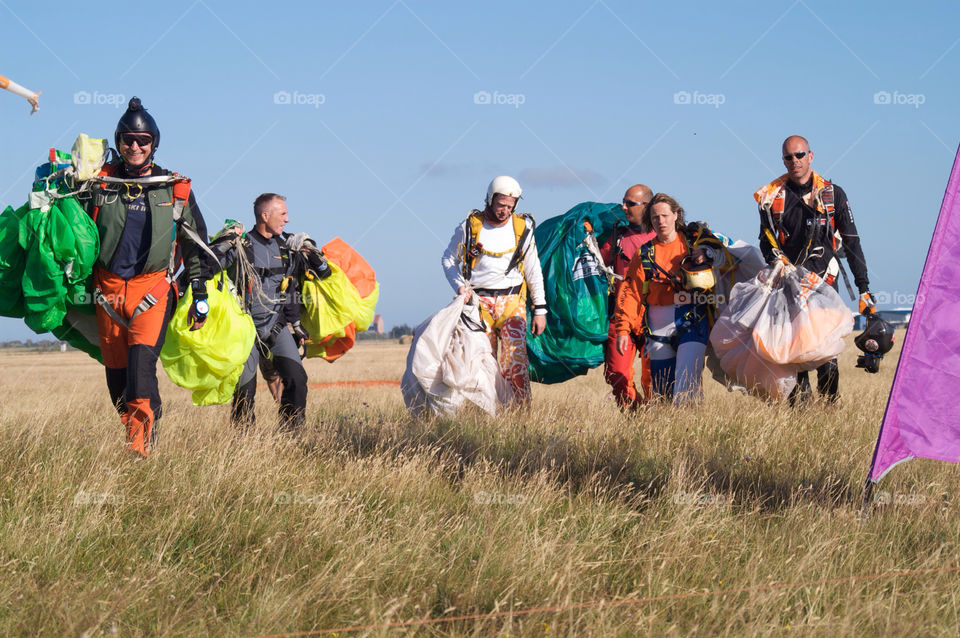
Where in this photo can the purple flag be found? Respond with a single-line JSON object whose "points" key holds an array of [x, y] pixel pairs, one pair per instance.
{"points": [[923, 414]]}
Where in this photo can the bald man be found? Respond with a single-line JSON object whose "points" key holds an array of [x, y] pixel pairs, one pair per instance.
{"points": [[808, 219], [617, 251]]}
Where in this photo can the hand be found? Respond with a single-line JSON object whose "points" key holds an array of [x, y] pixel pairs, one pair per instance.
{"points": [[465, 290], [539, 325], [234, 230], [868, 305], [699, 256], [198, 316], [300, 334], [622, 342]]}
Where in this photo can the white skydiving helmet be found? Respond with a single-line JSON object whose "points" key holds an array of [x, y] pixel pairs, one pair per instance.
{"points": [[503, 185]]}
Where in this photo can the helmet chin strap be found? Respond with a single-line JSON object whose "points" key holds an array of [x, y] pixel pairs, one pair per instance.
{"points": [[138, 171]]}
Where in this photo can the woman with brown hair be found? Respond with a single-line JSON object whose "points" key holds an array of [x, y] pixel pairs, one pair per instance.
{"points": [[659, 302]]}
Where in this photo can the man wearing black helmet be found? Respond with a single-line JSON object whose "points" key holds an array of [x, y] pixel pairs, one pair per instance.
{"points": [[149, 222]]}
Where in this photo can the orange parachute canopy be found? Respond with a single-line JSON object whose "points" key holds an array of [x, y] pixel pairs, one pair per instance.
{"points": [[335, 309]]}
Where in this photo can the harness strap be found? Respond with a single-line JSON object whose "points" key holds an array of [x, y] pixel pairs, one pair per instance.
{"points": [[149, 301], [470, 250], [520, 253], [846, 281]]}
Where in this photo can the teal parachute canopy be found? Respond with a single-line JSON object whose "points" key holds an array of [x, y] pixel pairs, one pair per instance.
{"points": [[576, 293]]}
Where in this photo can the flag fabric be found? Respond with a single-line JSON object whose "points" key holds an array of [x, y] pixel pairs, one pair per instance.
{"points": [[922, 419]]}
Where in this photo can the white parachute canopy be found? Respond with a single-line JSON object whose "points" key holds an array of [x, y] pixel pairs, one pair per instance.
{"points": [[451, 362], [32, 97], [783, 321]]}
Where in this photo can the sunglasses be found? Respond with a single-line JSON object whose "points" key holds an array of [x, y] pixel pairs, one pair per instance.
{"points": [[800, 155], [129, 139], [630, 203]]}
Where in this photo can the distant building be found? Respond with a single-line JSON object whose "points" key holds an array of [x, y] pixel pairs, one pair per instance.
{"points": [[378, 324]]}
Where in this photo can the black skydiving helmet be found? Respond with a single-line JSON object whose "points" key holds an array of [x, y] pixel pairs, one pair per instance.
{"points": [[137, 120], [875, 341]]}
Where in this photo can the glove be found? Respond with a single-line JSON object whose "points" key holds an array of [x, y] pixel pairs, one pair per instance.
{"points": [[199, 308], [230, 231], [868, 305], [300, 334]]}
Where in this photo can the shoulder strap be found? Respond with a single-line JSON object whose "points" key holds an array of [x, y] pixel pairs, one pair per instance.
{"points": [[651, 267], [106, 171], [521, 230], [826, 200], [473, 225]]}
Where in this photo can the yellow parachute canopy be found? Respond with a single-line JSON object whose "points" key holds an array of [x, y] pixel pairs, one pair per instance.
{"points": [[209, 361], [338, 307]]}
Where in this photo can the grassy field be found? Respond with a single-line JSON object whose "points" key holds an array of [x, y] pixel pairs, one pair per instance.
{"points": [[733, 518]]}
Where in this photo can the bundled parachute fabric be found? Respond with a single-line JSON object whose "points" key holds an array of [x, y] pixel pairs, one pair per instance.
{"points": [[209, 361], [336, 308], [783, 321], [47, 251], [576, 286], [451, 362], [79, 329], [747, 262]]}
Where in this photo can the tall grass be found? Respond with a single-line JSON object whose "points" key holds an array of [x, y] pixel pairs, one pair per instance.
{"points": [[373, 517]]}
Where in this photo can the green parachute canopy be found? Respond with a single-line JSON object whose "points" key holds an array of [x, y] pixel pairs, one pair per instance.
{"points": [[47, 250], [576, 293]]}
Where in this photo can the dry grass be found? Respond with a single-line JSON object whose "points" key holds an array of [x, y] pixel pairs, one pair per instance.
{"points": [[374, 517]]}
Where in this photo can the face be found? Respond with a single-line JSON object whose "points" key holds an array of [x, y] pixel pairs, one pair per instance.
{"points": [[633, 205], [664, 221], [798, 170], [135, 148], [501, 207], [274, 216]]}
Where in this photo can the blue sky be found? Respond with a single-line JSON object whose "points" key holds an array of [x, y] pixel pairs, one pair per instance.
{"points": [[383, 122]]}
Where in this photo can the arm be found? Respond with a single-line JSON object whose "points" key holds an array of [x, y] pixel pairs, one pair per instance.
{"points": [[765, 246], [533, 275], [843, 217], [196, 262], [628, 316], [316, 261], [451, 259]]}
